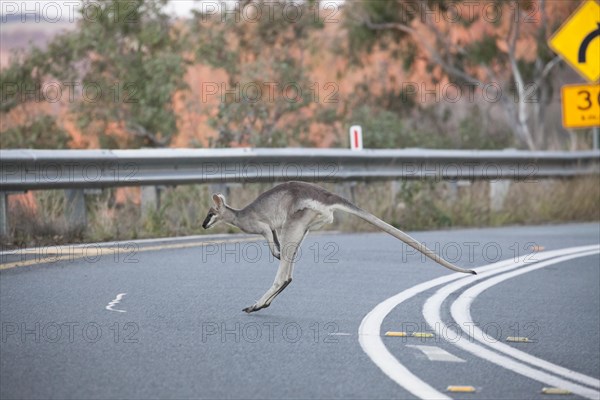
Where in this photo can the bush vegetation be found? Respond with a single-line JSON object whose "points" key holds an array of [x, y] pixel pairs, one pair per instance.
{"points": [[409, 205]]}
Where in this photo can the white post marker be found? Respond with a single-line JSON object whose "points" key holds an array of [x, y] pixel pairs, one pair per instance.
{"points": [[356, 142]]}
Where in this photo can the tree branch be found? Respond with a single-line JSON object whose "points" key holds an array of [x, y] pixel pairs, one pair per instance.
{"points": [[139, 131], [548, 67], [433, 53], [522, 114]]}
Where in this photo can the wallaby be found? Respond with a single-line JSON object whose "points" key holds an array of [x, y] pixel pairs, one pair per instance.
{"points": [[285, 214]]}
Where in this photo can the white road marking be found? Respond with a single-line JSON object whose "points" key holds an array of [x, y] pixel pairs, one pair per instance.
{"points": [[461, 312], [61, 249], [70, 253], [116, 301], [431, 312], [370, 340], [369, 331], [435, 353]]}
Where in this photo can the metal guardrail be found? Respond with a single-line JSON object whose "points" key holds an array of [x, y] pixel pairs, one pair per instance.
{"points": [[75, 169]]}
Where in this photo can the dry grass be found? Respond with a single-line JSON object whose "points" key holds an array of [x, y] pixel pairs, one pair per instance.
{"points": [[552, 201], [412, 205]]}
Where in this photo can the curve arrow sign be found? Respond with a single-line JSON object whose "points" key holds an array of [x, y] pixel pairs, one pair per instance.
{"points": [[585, 43]]}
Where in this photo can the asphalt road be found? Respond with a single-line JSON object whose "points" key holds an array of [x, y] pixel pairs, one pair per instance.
{"points": [[176, 329]]}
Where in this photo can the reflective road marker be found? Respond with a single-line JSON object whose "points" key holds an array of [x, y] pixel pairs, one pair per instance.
{"points": [[553, 390], [460, 389], [519, 339], [414, 334], [396, 334]]}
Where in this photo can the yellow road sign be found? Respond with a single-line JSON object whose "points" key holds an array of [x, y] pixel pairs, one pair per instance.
{"points": [[578, 40], [580, 106]]}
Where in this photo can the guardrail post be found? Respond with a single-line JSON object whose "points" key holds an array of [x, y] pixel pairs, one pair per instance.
{"points": [[150, 200], [452, 187], [347, 191], [3, 214], [394, 189], [498, 192], [75, 209]]}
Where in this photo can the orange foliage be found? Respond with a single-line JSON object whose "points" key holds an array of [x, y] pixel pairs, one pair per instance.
{"points": [[379, 72]]}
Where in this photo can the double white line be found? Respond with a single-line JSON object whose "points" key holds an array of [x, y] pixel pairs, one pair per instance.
{"points": [[371, 342]]}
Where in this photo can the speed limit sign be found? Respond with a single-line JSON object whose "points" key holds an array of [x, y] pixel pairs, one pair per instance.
{"points": [[580, 106]]}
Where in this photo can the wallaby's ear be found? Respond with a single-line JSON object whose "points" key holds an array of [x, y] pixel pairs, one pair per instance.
{"points": [[219, 200]]}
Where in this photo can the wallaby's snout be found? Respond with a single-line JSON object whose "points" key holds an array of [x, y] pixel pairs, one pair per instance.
{"points": [[215, 214], [210, 220]]}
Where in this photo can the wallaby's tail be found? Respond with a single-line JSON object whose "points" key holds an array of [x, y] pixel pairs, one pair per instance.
{"points": [[397, 233]]}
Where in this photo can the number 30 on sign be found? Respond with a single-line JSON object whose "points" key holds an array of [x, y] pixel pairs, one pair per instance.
{"points": [[580, 106]]}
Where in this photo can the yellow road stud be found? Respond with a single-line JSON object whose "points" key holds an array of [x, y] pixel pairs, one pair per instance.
{"points": [[414, 334], [460, 389], [422, 334], [397, 334], [554, 390]]}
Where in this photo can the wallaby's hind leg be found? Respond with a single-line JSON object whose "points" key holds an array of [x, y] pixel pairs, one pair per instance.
{"points": [[280, 283], [292, 235]]}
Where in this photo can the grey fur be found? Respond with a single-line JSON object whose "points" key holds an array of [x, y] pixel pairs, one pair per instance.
{"points": [[285, 214]]}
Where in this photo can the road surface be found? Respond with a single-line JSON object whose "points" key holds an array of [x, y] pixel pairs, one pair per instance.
{"points": [[163, 319]]}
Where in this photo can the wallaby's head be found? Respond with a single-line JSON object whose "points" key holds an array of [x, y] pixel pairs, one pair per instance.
{"points": [[215, 214]]}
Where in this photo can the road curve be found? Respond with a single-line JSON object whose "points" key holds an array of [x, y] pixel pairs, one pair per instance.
{"points": [[163, 319]]}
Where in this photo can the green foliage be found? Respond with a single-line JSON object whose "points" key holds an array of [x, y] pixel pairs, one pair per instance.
{"points": [[363, 37], [423, 209], [135, 59], [409, 56], [40, 133], [453, 53], [384, 128], [417, 205], [483, 51], [126, 61], [474, 134], [153, 223], [387, 129], [263, 61], [44, 225], [23, 76], [381, 128]]}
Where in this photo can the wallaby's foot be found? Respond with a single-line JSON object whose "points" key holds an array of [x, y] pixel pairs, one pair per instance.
{"points": [[270, 299], [267, 303], [255, 307]]}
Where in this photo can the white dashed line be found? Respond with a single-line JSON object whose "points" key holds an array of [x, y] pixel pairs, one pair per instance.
{"points": [[116, 301], [435, 353]]}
